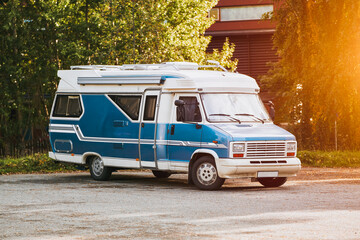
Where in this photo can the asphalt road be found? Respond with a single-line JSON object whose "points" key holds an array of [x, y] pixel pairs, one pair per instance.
{"points": [[319, 204]]}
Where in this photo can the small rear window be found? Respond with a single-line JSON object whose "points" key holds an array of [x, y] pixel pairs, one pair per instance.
{"points": [[150, 108], [67, 106]]}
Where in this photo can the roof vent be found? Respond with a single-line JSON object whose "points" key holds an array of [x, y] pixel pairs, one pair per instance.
{"points": [[183, 65]]}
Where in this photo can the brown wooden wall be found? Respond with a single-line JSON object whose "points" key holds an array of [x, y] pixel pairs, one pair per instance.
{"points": [[253, 52]]}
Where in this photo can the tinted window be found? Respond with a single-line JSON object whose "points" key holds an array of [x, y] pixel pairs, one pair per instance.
{"points": [[191, 108], [129, 104], [67, 106], [150, 107]]}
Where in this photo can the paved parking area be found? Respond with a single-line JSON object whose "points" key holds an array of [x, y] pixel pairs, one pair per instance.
{"points": [[318, 204]]}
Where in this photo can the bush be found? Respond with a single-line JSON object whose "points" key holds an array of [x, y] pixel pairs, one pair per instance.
{"points": [[40, 163], [329, 159]]}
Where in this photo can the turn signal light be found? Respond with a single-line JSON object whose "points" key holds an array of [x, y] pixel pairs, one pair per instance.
{"points": [[290, 154], [238, 155]]}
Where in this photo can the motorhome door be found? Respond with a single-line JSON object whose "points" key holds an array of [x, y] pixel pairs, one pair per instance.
{"points": [[185, 134], [148, 128]]}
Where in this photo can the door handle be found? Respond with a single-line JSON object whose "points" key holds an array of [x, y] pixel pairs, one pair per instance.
{"points": [[172, 130], [142, 125]]}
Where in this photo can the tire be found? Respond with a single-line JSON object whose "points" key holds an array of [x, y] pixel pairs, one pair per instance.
{"points": [[161, 174], [204, 174], [97, 169], [272, 182]]}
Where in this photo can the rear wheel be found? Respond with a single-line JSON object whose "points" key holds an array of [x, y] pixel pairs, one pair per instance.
{"points": [[272, 182], [97, 169], [161, 174], [204, 174]]}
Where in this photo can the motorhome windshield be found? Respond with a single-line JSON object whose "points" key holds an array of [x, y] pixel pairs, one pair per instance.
{"points": [[234, 107]]}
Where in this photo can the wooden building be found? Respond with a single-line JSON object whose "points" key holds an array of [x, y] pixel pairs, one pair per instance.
{"points": [[241, 21]]}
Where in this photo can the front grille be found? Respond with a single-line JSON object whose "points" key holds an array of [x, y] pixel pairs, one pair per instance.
{"points": [[265, 149]]}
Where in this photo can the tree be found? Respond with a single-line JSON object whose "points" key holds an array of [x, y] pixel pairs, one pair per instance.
{"points": [[317, 79], [40, 37], [155, 31]]}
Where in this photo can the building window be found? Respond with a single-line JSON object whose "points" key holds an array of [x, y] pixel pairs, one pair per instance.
{"points": [[129, 104], [214, 13], [242, 13], [67, 106]]}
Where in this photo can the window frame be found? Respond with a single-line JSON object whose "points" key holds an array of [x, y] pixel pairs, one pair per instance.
{"points": [[64, 117], [199, 106], [246, 8], [154, 112], [217, 9], [109, 96]]}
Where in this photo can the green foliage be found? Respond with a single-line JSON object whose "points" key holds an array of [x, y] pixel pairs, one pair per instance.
{"points": [[224, 56], [37, 38], [329, 159], [40, 163], [317, 80]]}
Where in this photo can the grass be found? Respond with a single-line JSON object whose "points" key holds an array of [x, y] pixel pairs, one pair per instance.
{"points": [[345, 159], [37, 163], [41, 163]]}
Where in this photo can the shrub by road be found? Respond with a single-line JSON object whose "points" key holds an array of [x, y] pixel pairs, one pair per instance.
{"points": [[39, 163], [330, 159]]}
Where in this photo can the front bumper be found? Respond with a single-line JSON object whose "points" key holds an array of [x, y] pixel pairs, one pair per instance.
{"points": [[245, 168]]}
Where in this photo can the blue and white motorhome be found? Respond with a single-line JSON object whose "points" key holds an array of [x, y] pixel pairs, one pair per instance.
{"points": [[169, 118]]}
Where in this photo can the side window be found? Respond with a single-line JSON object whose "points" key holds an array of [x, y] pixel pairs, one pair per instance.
{"points": [[150, 108], [191, 110], [67, 106], [129, 104]]}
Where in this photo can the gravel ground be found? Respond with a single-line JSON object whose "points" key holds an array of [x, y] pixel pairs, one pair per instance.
{"points": [[318, 204]]}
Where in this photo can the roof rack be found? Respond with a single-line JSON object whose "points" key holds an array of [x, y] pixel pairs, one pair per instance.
{"points": [[166, 65], [95, 67], [216, 65]]}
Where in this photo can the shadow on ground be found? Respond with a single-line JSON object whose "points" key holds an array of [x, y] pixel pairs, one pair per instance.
{"points": [[129, 179]]}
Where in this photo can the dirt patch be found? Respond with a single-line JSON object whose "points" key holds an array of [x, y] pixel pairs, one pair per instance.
{"points": [[309, 173]]}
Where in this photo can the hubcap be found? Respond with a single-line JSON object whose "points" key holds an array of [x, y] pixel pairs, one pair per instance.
{"points": [[206, 174], [97, 166]]}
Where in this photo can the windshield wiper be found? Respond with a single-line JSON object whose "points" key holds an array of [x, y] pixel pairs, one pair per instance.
{"points": [[250, 115], [226, 115]]}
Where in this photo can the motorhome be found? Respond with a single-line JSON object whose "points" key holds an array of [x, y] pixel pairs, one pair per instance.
{"points": [[174, 117]]}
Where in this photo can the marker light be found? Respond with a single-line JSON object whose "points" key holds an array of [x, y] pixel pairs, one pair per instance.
{"points": [[238, 155]]}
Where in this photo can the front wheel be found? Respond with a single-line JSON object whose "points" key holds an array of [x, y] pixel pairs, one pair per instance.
{"points": [[204, 174], [97, 169], [272, 182]]}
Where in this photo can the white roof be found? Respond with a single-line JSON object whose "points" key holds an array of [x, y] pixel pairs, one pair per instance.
{"points": [[172, 77]]}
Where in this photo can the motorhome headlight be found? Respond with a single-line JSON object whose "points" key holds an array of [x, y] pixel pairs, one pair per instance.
{"points": [[239, 147], [291, 147]]}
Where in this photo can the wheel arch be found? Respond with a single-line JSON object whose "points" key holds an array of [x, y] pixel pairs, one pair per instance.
{"points": [[86, 156], [198, 154]]}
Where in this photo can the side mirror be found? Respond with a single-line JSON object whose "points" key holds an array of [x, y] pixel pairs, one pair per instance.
{"points": [[179, 103], [271, 108]]}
